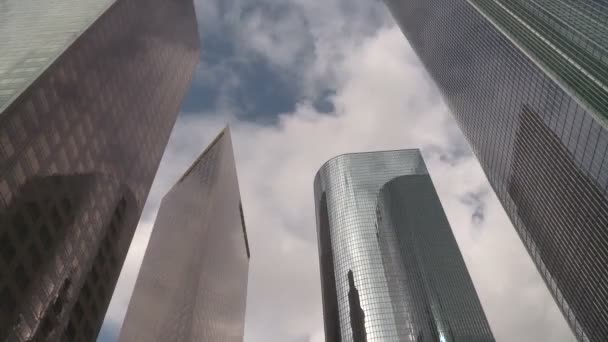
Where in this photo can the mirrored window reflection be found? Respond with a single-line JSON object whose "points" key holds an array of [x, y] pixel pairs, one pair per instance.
{"points": [[34, 33], [548, 168], [390, 267], [83, 138]]}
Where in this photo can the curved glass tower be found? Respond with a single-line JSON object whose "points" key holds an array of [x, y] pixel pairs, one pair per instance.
{"points": [[527, 83], [391, 269]]}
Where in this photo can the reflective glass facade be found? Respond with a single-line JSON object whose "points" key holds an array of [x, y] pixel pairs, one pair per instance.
{"points": [[390, 266], [526, 83], [192, 285], [82, 130], [34, 33]]}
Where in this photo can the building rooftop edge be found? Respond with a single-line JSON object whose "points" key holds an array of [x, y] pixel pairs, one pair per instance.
{"points": [[225, 130], [364, 152]]}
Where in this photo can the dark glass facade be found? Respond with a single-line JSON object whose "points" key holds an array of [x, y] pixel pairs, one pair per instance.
{"points": [[390, 266], [192, 285], [89, 92], [526, 82]]}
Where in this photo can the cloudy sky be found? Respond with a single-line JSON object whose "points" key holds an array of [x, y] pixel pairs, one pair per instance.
{"points": [[300, 81]]}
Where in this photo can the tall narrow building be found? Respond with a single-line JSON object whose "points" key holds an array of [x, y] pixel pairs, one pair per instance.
{"points": [[89, 93], [192, 285], [527, 81], [390, 266]]}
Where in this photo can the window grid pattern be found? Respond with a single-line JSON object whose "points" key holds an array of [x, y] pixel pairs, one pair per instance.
{"points": [[558, 35], [192, 284], [78, 152], [34, 33], [368, 276], [492, 80]]}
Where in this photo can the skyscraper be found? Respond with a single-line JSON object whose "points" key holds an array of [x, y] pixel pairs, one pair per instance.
{"points": [[390, 266], [192, 285], [527, 83], [89, 92]]}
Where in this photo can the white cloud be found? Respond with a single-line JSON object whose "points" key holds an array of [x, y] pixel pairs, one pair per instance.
{"points": [[383, 100]]}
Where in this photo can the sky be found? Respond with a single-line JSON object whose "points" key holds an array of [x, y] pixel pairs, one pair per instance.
{"points": [[299, 82]]}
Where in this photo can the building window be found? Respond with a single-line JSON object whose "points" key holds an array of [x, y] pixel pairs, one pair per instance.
{"points": [[35, 257], [33, 211], [6, 248], [22, 278], [7, 301], [45, 236], [56, 218], [71, 332], [20, 227], [67, 205]]}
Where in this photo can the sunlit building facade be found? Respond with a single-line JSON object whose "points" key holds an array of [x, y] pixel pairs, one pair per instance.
{"points": [[192, 285], [89, 93], [390, 266], [527, 83]]}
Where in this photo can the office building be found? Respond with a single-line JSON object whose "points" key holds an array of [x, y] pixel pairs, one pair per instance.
{"points": [[527, 83], [89, 92], [390, 266], [192, 285]]}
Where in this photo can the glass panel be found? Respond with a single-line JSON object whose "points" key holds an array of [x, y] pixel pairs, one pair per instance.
{"points": [[33, 33]]}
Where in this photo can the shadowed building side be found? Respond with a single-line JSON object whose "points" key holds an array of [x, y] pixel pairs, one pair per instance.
{"points": [[57, 222], [192, 285], [429, 278], [566, 226]]}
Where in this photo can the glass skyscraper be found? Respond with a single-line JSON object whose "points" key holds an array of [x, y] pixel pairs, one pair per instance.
{"points": [[390, 266], [192, 285], [527, 83], [89, 92]]}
